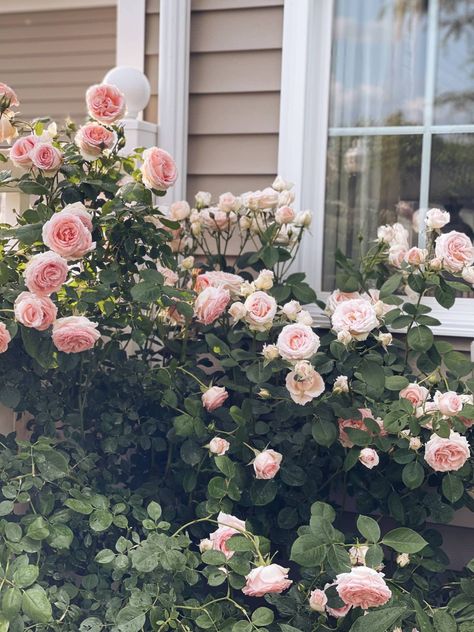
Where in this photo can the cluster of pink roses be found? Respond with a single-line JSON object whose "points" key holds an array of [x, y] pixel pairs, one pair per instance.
{"points": [[355, 315]]}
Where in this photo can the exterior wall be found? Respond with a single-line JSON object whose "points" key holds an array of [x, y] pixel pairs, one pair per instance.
{"points": [[51, 57], [152, 43]]}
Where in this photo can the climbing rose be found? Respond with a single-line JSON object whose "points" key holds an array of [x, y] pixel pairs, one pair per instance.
{"points": [[214, 397], [447, 454], [363, 587], [105, 103], [74, 334], [266, 579]]}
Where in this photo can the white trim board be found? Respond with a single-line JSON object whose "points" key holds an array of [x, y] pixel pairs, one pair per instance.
{"points": [[22, 6]]}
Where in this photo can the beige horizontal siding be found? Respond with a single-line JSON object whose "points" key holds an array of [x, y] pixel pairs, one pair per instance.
{"points": [[234, 101], [152, 34], [50, 58]]}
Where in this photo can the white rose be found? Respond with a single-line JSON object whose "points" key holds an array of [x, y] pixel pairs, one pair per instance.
{"points": [[203, 198], [468, 274], [270, 352], [237, 311], [291, 310], [187, 263], [279, 184], [385, 339], [341, 384], [436, 218], [415, 443], [305, 318], [303, 218], [403, 559], [245, 222], [385, 234], [344, 337], [286, 198], [264, 280]]}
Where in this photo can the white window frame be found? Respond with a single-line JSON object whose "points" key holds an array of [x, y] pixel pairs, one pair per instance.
{"points": [[304, 132]]}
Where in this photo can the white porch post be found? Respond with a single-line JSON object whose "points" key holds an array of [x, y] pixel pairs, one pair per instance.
{"points": [[173, 88]]}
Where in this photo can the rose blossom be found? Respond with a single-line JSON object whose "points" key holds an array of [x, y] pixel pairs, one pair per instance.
{"points": [[369, 458], [170, 277], [66, 235], [447, 455], [21, 150], [46, 157], [214, 397], [436, 219], [468, 274], [341, 384], [415, 394], [280, 184], [266, 464], [286, 198], [270, 352], [455, 250], [266, 579], [303, 219], [261, 309], [403, 559], [4, 338], [297, 342], [396, 255], [229, 202], [318, 600], [416, 256], [357, 554], [7, 130], [218, 446], [38, 312], [358, 424], [158, 169], [45, 273], [210, 304], [216, 220], [79, 210], [92, 139], [291, 310], [179, 211], [356, 316], [105, 103], [415, 443], [205, 545], [237, 311], [385, 233], [304, 389], [203, 198], [264, 281], [449, 403], [8, 94], [228, 526], [284, 215], [217, 278], [74, 334], [344, 337], [363, 587]]}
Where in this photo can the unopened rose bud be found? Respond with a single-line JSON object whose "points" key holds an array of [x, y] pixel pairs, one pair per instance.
{"points": [[468, 275], [218, 446], [436, 264], [357, 554], [318, 600], [403, 559], [304, 218], [237, 311], [203, 198], [205, 545], [415, 443], [270, 352], [246, 289], [286, 198], [187, 263], [385, 339], [264, 393], [291, 310], [196, 228], [245, 222], [344, 337]]}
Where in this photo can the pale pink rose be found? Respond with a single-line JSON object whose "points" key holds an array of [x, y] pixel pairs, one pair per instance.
{"points": [[455, 250], [468, 275], [358, 424], [363, 587], [449, 403], [284, 215], [337, 297], [203, 198], [4, 338], [297, 342], [225, 280], [447, 455], [158, 169], [237, 311], [92, 139], [38, 312], [356, 316], [79, 210], [105, 103], [228, 520], [45, 273], [8, 95], [416, 256], [214, 397], [74, 334], [385, 234], [400, 236], [268, 198], [46, 157], [305, 318], [303, 219], [436, 218], [280, 184], [218, 446], [7, 130], [260, 311], [369, 457], [179, 211], [264, 281], [338, 613], [21, 150], [396, 255], [304, 390], [266, 464], [228, 526], [210, 304], [219, 540], [435, 264], [170, 277], [270, 352], [285, 198], [291, 310], [266, 579], [66, 235], [357, 554], [318, 600], [214, 219], [229, 202], [415, 394], [341, 384]]}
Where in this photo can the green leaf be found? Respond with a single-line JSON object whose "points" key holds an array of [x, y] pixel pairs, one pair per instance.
{"points": [[80, 506], [338, 558], [91, 624], [25, 575], [6, 507], [457, 363], [239, 543], [262, 616], [154, 511], [215, 558], [452, 487], [263, 492], [308, 550], [10, 396], [53, 466], [391, 285], [444, 621], [60, 536], [324, 432], [369, 528], [404, 540], [396, 382], [105, 556], [422, 618], [100, 520], [420, 338], [38, 529], [377, 620], [36, 606], [11, 602], [130, 619], [33, 188], [225, 465], [323, 511], [146, 292], [413, 475]]}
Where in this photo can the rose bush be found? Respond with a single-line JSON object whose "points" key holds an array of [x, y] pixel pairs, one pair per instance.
{"points": [[190, 453]]}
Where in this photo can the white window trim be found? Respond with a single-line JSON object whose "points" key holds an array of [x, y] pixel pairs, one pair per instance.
{"points": [[22, 6], [307, 36], [130, 40]]}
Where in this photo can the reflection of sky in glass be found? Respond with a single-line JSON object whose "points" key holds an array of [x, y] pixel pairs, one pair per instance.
{"points": [[378, 69], [454, 102]]}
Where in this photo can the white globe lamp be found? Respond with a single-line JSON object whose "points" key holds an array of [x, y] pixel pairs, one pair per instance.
{"points": [[134, 85]]}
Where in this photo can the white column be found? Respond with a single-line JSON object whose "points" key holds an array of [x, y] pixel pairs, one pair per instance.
{"points": [[173, 88], [130, 49]]}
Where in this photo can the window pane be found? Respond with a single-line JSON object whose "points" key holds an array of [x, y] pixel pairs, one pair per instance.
{"points": [[378, 67], [369, 181], [454, 99]]}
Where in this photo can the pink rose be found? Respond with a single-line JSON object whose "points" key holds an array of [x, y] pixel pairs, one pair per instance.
{"points": [[266, 464], [66, 235], [318, 600], [45, 273], [337, 297], [105, 103], [260, 311], [369, 458], [436, 218], [21, 150], [266, 579], [447, 455], [79, 210], [170, 277], [415, 256], [228, 526], [7, 130], [356, 316], [228, 520], [8, 96], [228, 202], [226, 280], [179, 211], [338, 613], [74, 334], [210, 304], [158, 169], [304, 389], [449, 403], [284, 215], [216, 220], [92, 139], [415, 394], [4, 338], [38, 312], [358, 424], [214, 397], [46, 157], [218, 446], [396, 255], [297, 342], [363, 587], [455, 250]]}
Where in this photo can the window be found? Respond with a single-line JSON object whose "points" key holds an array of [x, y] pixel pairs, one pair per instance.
{"points": [[384, 93]]}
